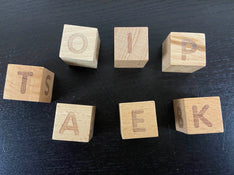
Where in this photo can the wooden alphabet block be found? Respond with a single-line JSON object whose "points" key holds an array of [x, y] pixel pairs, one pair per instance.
{"points": [[201, 115], [138, 120], [131, 47], [74, 122], [80, 46], [28, 83], [183, 52]]}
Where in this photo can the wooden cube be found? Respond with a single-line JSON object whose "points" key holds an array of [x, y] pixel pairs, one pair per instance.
{"points": [[138, 120], [28, 83], [80, 46], [183, 52], [74, 122], [201, 115], [131, 47]]}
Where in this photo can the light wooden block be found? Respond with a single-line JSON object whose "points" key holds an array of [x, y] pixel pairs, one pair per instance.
{"points": [[28, 83], [138, 120], [80, 46], [74, 122], [131, 47], [183, 52], [201, 115]]}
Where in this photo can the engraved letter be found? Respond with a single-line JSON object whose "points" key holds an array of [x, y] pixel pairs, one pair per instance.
{"points": [[180, 119], [24, 80], [129, 43], [197, 116], [47, 84], [188, 46], [74, 127], [135, 120], [71, 46]]}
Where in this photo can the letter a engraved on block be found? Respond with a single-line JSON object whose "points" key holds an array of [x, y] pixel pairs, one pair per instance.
{"points": [[72, 47], [24, 80], [180, 119], [188, 46], [197, 116], [129, 42], [135, 120], [71, 116], [47, 85]]}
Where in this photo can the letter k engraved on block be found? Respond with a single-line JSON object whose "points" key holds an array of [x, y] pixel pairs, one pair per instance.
{"points": [[136, 120], [197, 116], [71, 116]]}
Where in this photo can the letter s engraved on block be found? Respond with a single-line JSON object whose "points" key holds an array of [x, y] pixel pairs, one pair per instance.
{"points": [[71, 46], [197, 116], [135, 120], [71, 116], [129, 42], [48, 78], [188, 47], [24, 80], [179, 117]]}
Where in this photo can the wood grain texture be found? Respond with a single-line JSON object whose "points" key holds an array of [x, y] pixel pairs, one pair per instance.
{"points": [[201, 115], [31, 33]]}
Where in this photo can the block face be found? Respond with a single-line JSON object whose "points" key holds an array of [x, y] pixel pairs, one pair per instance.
{"points": [[74, 122], [80, 46], [203, 115], [138, 120], [184, 52], [131, 48]]}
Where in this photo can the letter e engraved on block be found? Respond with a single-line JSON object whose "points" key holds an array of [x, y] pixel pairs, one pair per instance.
{"points": [[197, 116], [24, 80], [188, 46], [129, 42], [48, 78], [71, 116], [179, 117], [71, 46], [136, 120]]}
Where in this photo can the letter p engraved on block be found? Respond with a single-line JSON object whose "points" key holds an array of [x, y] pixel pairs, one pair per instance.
{"points": [[179, 117], [197, 116], [71, 116], [188, 47], [71, 46], [135, 120], [24, 80]]}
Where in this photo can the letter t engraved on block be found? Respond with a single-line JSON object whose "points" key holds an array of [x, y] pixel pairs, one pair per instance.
{"points": [[135, 120], [71, 46], [24, 80], [197, 116], [180, 119], [74, 127], [129, 42], [188, 46]]}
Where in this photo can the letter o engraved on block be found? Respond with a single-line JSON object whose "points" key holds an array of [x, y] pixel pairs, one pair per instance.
{"points": [[47, 84], [129, 42], [71, 46], [188, 46], [179, 117], [71, 116], [136, 120], [24, 80], [197, 116]]}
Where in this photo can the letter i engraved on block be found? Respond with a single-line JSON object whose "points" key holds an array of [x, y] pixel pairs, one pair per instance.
{"points": [[136, 120], [197, 116], [129, 42], [71, 46], [188, 47], [180, 119], [71, 116], [48, 78], [24, 80]]}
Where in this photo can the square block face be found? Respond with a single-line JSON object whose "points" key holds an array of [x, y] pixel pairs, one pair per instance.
{"points": [[131, 48], [138, 120], [203, 115], [23, 82], [74, 122], [184, 52], [80, 46]]}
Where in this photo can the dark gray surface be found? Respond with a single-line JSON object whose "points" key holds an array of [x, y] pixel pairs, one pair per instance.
{"points": [[30, 33]]}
